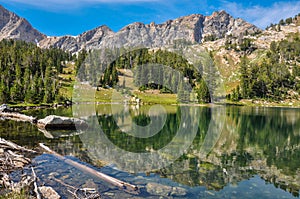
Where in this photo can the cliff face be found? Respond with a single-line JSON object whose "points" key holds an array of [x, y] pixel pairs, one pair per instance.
{"points": [[89, 40], [157, 35], [191, 29], [221, 23], [15, 27]]}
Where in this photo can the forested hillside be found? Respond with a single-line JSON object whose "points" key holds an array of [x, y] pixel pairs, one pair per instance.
{"points": [[274, 77], [157, 69], [28, 73]]}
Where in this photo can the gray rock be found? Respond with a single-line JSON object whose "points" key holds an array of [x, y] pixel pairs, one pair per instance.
{"points": [[58, 122], [15, 27], [189, 29], [178, 191], [164, 190], [48, 193], [158, 189]]}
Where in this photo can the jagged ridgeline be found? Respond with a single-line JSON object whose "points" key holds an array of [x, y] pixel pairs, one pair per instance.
{"points": [[28, 73], [157, 69]]}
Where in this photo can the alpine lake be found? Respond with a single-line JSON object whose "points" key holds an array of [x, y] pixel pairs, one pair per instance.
{"points": [[171, 151]]}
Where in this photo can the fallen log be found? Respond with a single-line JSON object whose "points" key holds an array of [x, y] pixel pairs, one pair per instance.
{"points": [[18, 117], [121, 184], [10, 145]]}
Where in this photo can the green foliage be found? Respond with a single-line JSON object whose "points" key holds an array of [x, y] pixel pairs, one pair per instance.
{"points": [[283, 22], [203, 93], [210, 38], [162, 70], [274, 76], [235, 95], [152, 70], [244, 44], [80, 59], [28, 72], [289, 20], [183, 94]]}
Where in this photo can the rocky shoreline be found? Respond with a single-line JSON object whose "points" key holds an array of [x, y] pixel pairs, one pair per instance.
{"points": [[15, 158], [18, 160]]}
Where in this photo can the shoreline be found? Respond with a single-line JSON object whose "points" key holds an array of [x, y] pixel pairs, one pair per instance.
{"points": [[243, 102], [24, 107]]}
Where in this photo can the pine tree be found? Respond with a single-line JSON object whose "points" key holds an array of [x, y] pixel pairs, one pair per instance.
{"points": [[80, 60], [209, 74], [245, 79], [235, 95], [137, 76], [3, 92], [114, 76], [203, 92], [16, 89], [180, 94], [26, 83], [48, 84]]}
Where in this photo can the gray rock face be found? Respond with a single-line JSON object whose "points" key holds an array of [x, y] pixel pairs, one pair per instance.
{"points": [[152, 35], [15, 27], [190, 29], [221, 23], [58, 122], [88, 40]]}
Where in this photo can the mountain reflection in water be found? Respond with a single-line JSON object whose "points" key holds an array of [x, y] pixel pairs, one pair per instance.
{"points": [[257, 153]]}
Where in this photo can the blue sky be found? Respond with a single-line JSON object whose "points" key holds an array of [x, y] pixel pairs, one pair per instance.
{"points": [[72, 17]]}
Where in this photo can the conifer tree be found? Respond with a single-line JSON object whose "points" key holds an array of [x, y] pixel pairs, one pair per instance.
{"points": [[48, 84], [203, 92]]}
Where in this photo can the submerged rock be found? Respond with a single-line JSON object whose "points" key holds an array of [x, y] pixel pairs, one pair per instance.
{"points": [[58, 122], [164, 190], [48, 193]]}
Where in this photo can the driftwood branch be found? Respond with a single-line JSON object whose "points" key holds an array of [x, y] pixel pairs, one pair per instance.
{"points": [[38, 196], [89, 193], [121, 184], [12, 158], [9, 145]]}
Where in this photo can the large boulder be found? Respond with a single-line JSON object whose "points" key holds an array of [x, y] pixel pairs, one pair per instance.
{"points": [[58, 122]]}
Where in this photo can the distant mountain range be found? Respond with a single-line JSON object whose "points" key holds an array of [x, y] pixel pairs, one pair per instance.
{"points": [[192, 29]]}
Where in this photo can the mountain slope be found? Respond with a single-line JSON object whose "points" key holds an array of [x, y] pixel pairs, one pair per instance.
{"points": [[190, 29], [15, 27]]}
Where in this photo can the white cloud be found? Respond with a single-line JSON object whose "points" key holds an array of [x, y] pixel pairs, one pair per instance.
{"points": [[263, 16]]}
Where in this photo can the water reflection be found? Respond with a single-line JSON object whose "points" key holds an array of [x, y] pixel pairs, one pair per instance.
{"points": [[253, 147]]}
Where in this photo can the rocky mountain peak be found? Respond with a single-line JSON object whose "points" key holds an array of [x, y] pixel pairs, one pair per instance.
{"points": [[220, 23], [15, 27], [191, 29]]}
